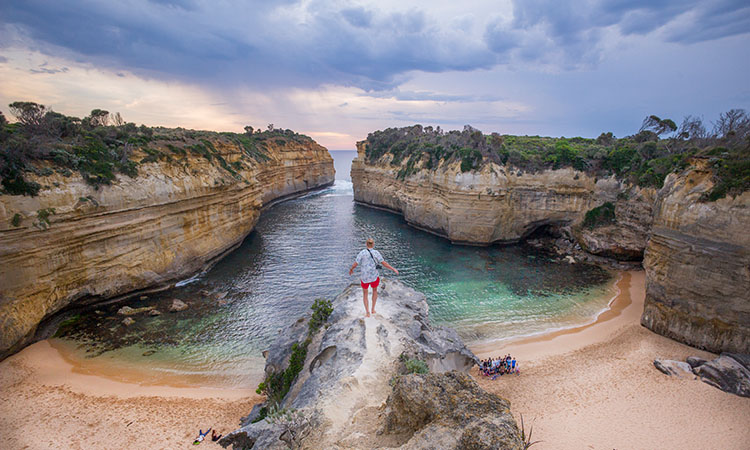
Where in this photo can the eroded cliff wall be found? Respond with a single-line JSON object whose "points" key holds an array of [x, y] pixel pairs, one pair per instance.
{"points": [[503, 204], [698, 266], [697, 253], [138, 233]]}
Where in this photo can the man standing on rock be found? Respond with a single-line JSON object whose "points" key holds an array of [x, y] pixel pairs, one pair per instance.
{"points": [[369, 261]]}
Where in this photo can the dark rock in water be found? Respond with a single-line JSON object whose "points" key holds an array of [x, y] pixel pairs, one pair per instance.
{"points": [[670, 367], [128, 321], [128, 311], [154, 312], [695, 361], [178, 305], [450, 409], [729, 372], [347, 372]]}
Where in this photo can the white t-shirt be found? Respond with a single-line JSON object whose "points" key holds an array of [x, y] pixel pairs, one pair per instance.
{"points": [[367, 271]]}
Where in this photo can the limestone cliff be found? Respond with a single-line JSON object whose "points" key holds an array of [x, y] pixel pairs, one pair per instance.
{"points": [[351, 393], [697, 258], [698, 265], [74, 244], [499, 203]]}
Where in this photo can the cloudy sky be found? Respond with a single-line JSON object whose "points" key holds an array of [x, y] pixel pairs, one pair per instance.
{"points": [[337, 70]]}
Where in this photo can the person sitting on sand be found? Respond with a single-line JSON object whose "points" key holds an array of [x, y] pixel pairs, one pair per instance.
{"points": [[369, 261], [201, 436], [214, 436]]}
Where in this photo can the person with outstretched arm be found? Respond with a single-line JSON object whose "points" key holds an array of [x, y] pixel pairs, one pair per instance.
{"points": [[369, 261]]}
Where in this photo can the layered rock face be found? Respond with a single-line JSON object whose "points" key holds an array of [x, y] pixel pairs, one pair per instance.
{"points": [[139, 233], [503, 204], [698, 257], [698, 266], [343, 398]]}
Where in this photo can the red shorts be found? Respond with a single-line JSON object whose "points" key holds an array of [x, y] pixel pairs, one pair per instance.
{"points": [[374, 284]]}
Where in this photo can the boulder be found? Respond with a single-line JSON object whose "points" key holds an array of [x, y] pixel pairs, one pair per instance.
{"points": [[729, 372], [154, 312], [450, 409], [178, 305], [695, 361], [670, 367], [128, 311], [128, 321]]}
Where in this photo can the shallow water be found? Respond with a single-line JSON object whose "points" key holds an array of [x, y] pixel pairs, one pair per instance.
{"points": [[301, 250]]}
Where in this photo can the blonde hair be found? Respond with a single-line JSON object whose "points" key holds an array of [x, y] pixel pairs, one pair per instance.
{"points": [[370, 242]]}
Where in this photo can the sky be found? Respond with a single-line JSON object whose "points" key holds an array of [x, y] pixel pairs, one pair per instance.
{"points": [[337, 70]]}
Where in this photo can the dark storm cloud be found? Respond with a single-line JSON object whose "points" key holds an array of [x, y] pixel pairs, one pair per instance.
{"points": [[541, 28], [256, 42], [288, 43]]}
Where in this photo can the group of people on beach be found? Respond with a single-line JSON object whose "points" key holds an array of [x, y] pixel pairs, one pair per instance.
{"points": [[494, 367], [201, 435]]}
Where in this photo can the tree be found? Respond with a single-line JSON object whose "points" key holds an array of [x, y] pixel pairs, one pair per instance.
{"points": [[29, 114], [657, 125], [606, 139], [3, 120], [249, 130], [98, 118], [117, 120], [270, 127], [732, 122], [692, 128]]}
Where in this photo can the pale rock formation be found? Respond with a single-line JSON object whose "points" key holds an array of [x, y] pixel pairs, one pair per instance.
{"points": [[698, 266], [141, 233], [177, 305], [345, 383]]}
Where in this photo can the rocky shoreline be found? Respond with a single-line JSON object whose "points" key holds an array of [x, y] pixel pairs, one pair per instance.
{"points": [[355, 388]]}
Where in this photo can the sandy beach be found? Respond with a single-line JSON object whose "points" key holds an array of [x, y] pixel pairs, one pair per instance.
{"points": [[46, 404], [590, 387], [595, 387]]}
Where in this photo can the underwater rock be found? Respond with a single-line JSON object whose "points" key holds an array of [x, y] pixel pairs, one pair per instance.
{"points": [[178, 305]]}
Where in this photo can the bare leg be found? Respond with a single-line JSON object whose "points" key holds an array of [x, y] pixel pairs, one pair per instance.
{"points": [[374, 298], [364, 300]]}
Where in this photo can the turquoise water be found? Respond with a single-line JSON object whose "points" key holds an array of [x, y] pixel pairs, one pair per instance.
{"points": [[301, 250]]}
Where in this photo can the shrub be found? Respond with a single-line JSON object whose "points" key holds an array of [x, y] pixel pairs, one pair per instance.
{"points": [[321, 311], [16, 220], [415, 365], [600, 216]]}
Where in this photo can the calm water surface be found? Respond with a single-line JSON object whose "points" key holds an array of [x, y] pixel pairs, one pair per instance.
{"points": [[301, 250]]}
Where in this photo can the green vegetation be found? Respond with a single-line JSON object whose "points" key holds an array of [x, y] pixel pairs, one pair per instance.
{"points": [[600, 216], [42, 216], [277, 385], [102, 145], [415, 365], [645, 159], [322, 310], [16, 220]]}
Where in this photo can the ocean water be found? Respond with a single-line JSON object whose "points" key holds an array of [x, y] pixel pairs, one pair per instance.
{"points": [[301, 250]]}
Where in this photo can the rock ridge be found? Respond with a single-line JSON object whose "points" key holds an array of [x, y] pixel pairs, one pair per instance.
{"points": [[349, 388]]}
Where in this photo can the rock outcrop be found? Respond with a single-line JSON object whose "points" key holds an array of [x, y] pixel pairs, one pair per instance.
{"points": [[698, 266], [729, 372], [339, 398], [172, 220]]}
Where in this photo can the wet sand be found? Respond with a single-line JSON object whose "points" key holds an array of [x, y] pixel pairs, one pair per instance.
{"points": [[595, 387]]}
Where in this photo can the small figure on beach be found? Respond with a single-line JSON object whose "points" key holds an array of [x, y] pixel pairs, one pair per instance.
{"points": [[369, 261], [215, 437], [201, 436]]}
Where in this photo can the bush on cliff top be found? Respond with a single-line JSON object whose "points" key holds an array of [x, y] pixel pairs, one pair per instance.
{"points": [[644, 159], [101, 145], [599, 216]]}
